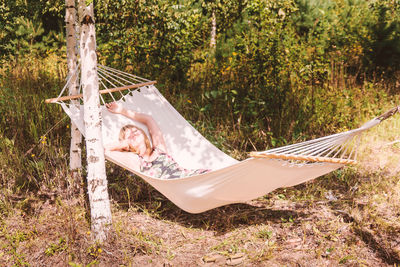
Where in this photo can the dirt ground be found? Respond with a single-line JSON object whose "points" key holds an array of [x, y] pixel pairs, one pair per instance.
{"points": [[264, 232]]}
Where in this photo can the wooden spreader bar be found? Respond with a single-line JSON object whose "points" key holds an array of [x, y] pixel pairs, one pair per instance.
{"points": [[105, 91], [302, 157]]}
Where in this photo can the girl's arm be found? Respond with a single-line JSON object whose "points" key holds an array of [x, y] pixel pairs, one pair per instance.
{"points": [[155, 132], [117, 146]]}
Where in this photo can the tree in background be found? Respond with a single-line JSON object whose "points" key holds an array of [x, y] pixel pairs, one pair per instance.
{"points": [[76, 137]]}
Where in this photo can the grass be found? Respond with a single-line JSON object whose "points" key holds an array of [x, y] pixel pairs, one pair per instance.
{"points": [[349, 217]]}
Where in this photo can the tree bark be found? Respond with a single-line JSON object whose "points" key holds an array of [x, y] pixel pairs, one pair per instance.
{"points": [[213, 41], [75, 163], [97, 181]]}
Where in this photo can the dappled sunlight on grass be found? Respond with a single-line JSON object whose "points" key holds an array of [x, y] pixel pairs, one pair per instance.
{"points": [[380, 147]]}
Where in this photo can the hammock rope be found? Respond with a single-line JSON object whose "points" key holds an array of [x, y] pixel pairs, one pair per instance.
{"points": [[110, 81]]}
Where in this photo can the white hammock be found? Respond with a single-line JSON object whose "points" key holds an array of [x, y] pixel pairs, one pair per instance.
{"points": [[230, 181]]}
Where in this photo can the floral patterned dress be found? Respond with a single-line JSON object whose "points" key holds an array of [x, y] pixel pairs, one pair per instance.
{"points": [[165, 167]]}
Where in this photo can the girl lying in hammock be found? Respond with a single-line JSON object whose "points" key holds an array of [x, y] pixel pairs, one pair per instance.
{"points": [[154, 159]]}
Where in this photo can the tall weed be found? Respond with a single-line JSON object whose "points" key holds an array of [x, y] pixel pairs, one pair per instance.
{"points": [[28, 159]]}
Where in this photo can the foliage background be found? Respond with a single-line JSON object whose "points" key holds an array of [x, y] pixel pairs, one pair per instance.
{"points": [[272, 68], [282, 72]]}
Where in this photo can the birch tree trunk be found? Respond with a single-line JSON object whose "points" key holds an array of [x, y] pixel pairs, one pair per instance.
{"points": [[75, 162], [213, 41], [100, 211]]}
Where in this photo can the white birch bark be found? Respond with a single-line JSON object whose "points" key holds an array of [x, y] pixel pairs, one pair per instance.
{"points": [[213, 41], [100, 211], [75, 163]]}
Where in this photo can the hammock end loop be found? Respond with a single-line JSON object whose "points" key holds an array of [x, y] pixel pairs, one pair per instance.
{"points": [[389, 113]]}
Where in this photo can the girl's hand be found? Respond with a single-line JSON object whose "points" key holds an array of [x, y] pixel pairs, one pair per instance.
{"points": [[114, 107], [124, 145]]}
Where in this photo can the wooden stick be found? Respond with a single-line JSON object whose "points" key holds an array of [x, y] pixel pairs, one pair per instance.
{"points": [[302, 157], [105, 91], [389, 113]]}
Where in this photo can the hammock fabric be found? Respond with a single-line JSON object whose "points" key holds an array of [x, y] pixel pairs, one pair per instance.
{"points": [[230, 181]]}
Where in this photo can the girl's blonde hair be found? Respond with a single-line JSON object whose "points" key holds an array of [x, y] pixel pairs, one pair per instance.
{"points": [[146, 139]]}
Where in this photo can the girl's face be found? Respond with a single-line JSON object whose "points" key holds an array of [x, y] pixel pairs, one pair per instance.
{"points": [[136, 139]]}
